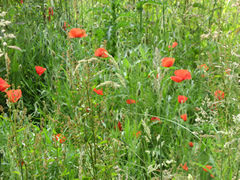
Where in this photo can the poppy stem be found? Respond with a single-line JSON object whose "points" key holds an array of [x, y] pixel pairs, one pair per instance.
{"points": [[93, 153], [14, 123]]}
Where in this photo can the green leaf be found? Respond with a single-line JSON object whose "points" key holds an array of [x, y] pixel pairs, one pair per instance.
{"points": [[16, 172], [83, 178], [141, 3], [103, 142], [21, 129], [65, 172], [198, 5], [46, 136], [36, 127], [126, 63]]}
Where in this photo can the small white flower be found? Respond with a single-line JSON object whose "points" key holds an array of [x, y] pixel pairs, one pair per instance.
{"points": [[7, 22], [3, 14], [3, 30], [235, 64], [11, 36], [190, 177], [4, 43]]}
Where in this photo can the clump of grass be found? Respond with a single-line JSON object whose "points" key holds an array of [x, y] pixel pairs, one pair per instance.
{"points": [[118, 116]]}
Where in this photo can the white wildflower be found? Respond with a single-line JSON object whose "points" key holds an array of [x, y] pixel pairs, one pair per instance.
{"points": [[236, 119], [3, 14], [147, 151], [11, 36], [190, 177]]}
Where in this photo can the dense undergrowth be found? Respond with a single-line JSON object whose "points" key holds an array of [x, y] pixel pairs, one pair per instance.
{"points": [[127, 112]]}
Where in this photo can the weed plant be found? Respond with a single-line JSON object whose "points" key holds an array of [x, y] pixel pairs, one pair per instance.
{"points": [[141, 90]]}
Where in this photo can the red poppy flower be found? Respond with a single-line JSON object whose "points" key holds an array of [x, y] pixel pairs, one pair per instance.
{"points": [[212, 176], [184, 117], [21, 1], [181, 75], [14, 95], [184, 167], [59, 138], [203, 66], [130, 101], [88, 109], [77, 33], [167, 62], [219, 94], [208, 167], [40, 70], [190, 144], [65, 26], [101, 52], [119, 126], [169, 48], [156, 119], [182, 99], [228, 71], [157, 76], [138, 133], [176, 79], [21, 163], [174, 44], [50, 12], [3, 85], [99, 92]]}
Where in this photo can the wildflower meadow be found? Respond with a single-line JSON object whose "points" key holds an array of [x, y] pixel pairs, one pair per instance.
{"points": [[119, 89]]}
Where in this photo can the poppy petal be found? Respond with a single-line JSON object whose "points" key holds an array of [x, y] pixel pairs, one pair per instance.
{"points": [[3, 85], [14, 95], [182, 99], [101, 52], [77, 33], [184, 117], [167, 62], [219, 94], [176, 79], [184, 74], [174, 44]]}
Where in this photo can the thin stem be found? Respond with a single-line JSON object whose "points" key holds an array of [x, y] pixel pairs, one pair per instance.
{"points": [[94, 159]]}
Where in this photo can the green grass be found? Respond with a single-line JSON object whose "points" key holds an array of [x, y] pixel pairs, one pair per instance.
{"points": [[136, 35]]}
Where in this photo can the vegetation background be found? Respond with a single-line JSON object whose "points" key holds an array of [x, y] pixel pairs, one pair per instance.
{"points": [[61, 129]]}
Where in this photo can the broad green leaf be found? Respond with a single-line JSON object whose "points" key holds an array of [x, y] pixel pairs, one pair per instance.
{"points": [[126, 63]]}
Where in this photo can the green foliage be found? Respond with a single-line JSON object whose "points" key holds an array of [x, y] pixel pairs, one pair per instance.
{"points": [[62, 129]]}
